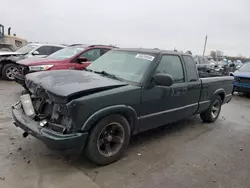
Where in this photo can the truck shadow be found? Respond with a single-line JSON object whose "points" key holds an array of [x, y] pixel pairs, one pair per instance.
{"points": [[240, 94], [177, 133]]}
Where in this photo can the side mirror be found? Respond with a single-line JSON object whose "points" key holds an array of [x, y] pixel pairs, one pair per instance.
{"points": [[163, 79], [82, 59], [35, 53]]}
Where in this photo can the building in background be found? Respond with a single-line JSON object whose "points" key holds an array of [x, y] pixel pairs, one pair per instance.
{"points": [[217, 55]]}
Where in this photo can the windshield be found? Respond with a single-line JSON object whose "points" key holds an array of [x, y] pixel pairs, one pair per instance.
{"points": [[26, 49], [245, 68], [66, 53], [129, 66]]}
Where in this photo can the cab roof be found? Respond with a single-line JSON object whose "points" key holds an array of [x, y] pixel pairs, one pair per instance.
{"points": [[152, 51]]}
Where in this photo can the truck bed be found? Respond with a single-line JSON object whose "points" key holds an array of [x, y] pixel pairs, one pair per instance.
{"points": [[212, 85]]}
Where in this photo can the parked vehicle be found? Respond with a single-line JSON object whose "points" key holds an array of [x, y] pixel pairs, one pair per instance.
{"points": [[8, 66], [73, 57], [242, 79], [238, 65], [124, 92], [224, 68], [202, 64]]}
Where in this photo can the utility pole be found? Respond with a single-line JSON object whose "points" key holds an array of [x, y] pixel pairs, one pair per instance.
{"points": [[205, 46]]}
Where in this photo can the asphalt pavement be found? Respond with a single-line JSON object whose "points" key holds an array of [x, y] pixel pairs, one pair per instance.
{"points": [[189, 153]]}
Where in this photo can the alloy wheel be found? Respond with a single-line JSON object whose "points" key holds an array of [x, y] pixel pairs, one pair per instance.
{"points": [[111, 139], [11, 71], [215, 108]]}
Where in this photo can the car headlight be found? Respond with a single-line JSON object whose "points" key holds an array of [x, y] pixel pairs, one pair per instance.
{"points": [[40, 67]]}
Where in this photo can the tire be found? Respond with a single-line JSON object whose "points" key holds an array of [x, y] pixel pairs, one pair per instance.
{"points": [[233, 92], [97, 149], [209, 115], [7, 68]]}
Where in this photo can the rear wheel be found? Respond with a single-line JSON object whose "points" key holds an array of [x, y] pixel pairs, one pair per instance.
{"points": [[9, 71], [213, 112], [108, 140]]}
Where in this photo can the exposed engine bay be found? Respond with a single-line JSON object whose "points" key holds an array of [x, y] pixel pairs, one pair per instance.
{"points": [[51, 115]]}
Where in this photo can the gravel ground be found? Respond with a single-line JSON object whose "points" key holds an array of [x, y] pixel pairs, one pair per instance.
{"points": [[185, 154]]}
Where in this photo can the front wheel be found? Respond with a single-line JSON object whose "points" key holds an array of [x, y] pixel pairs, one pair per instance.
{"points": [[213, 112], [9, 71], [108, 140]]}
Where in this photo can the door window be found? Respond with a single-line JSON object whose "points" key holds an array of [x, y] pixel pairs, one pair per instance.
{"points": [[45, 50], [171, 64], [92, 54]]}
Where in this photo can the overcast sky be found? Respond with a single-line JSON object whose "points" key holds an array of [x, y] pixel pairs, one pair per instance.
{"points": [[180, 24]]}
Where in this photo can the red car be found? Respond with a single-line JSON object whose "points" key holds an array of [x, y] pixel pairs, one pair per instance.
{"points": [[73, 57]]}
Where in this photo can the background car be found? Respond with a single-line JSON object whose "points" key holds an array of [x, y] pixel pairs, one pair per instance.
{"points": [[242, 79], [8, 66], [202, 63], [39, 50], [73, 57]]}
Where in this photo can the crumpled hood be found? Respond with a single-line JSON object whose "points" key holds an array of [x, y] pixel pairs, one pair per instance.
{"points": [[69, 83], [242, 74], [36, 61]]}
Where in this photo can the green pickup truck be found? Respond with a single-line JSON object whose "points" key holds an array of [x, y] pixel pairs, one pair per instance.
{"points": [[124, 92]]}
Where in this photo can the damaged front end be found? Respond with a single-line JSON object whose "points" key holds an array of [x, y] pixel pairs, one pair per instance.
{"points": [[48, 121], [49, 110], [52, 115]]}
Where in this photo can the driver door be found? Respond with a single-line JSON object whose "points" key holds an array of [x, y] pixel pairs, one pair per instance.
{"points": [[161, 104]]}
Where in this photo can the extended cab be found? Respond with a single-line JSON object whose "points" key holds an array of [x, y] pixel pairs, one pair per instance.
{"points": [[124, 92]]}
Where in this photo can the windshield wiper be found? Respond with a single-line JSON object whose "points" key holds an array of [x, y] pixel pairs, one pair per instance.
{"points": [[86, 69], [104, 73]]}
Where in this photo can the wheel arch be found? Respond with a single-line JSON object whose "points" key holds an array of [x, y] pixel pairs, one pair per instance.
{"points": [[4, 62], [221, 92], [126, 111]]}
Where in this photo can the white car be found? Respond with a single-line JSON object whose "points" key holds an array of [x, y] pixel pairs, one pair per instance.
{"points": [[8, 66]]}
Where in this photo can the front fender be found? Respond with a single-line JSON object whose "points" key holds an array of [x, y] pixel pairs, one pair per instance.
{"points": [[129, 113]]}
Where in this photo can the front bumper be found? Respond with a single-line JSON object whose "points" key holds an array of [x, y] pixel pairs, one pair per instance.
{"points": [[242, 87], [51, 138]]}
